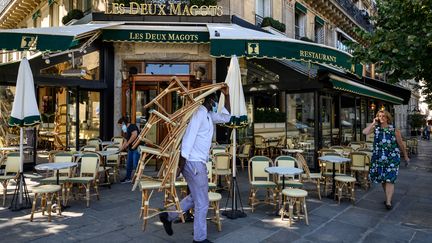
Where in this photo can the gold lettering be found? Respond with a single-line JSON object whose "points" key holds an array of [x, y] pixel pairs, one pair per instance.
{"points": [[121, 8], [212, 10], [152, 9], [132, 6], [204, 10], [148, 36], [186, 11], [193, 10], [175, 9], [161, 9], [107, 8], [115, 8], [219, 11], [319, 56], [144, 9]]}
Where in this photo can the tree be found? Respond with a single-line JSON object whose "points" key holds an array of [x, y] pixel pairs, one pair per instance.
{"points": [[401, 42]]}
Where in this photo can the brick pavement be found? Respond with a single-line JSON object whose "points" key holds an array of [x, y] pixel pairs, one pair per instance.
{"points": [[115, 217]]}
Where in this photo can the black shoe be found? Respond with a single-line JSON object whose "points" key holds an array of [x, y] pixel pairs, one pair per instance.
{"points": [[388, 206], [125, 181], [203, 241], [163, 217]]}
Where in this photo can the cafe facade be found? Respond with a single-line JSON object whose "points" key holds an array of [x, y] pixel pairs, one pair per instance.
{"points": [[111, 63]]}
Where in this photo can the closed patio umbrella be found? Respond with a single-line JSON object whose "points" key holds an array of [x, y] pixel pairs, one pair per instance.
{"points": [[25, 113], [238, 119]]}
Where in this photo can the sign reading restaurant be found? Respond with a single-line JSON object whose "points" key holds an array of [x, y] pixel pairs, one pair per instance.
{"points": [[168, 9]]}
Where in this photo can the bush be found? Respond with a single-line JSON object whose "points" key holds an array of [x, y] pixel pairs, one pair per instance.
{"points": [[268, 21], [200, 3], [73, 14], [416, 120]]}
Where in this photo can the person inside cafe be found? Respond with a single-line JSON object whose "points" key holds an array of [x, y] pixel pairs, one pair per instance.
{"points": [[387, 147], [130, 132]]}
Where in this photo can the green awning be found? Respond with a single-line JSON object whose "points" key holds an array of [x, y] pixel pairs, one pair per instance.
{"points": [[350, 86], [300, 7], [227, 40], [164, 34], [53, 39], [319, 20]]}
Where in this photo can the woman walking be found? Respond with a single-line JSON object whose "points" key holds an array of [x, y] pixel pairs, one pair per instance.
{"points": [[388, 144]]}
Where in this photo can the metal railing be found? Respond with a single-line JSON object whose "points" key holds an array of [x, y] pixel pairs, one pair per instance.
{"points": [[360, 16], [4, 4]]}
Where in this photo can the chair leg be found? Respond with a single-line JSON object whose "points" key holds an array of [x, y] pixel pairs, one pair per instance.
{"points": [[318, 189], [58, 204], [305, 211], [88, 194], [43, 203], [217, 216], [145, 201], [96, 187], [291, 202], [33, 207], [353, 192], [49, 205], [4, 184]]}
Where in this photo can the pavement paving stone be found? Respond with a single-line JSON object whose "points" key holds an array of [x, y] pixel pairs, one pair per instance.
{"points": [[247, 234], [336, 231], [360, 217], [282, 236], [378, 238], [422, 237], [392, 231]]}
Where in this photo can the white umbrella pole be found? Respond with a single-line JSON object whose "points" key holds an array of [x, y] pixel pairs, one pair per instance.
{"points": [[234, 142], [21, 165]]}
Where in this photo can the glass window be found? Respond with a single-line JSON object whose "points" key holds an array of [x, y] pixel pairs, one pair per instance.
{"points": [[89, 115], [301, 123], [347, 118], [263, 8], [167, 68], [319, 33], [341, 42], [300, 24]]}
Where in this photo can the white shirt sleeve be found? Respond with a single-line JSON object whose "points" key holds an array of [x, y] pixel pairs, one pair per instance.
{"points": [[222, 117], [191, 133]]}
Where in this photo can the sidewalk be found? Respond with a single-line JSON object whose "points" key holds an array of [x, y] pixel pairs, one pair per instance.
{"points": [[115, 217]]}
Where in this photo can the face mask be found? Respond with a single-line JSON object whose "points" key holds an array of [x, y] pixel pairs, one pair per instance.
{"points": [[215, 107], [124, 128]]}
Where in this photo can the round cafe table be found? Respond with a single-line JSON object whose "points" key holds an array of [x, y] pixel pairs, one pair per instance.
{"points": [[55, 166], [283, 171], [292, 152], [334, 159]]}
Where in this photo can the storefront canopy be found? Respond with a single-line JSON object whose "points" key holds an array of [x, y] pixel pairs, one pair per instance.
{"points": [[52, 39], [231, 39], [347, 85]]}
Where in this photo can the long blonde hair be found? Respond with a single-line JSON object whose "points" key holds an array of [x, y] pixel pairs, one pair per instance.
{"points": [[387, 115]]}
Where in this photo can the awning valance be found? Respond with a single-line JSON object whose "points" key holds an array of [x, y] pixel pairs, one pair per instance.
{"points": [[347, 85], [58, 38], [146, 33], [231, 39]]}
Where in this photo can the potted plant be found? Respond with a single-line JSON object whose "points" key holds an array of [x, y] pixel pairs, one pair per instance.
{"points": [[416, 121]]}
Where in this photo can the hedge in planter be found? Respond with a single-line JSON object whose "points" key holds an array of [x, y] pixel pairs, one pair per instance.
{"points": [[268, 21], [73, 14]]}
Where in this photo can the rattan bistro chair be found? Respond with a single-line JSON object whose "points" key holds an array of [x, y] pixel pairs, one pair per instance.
{"points": [[245, 154], [11, 171], [314, 178], [360, 166], [260, 179], [287, 161]]}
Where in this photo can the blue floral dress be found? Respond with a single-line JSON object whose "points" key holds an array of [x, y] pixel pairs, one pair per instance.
{"points": [[384, 166]]}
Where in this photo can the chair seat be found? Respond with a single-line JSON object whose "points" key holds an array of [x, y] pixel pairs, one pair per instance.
{"points": [[7, 177], [53, 179], [264, 184], [155, 151], [214, 196], [331, 174], [84, 179], [212, 185], [222, 172], [180, 184], [242, 156], [312, 176], [294, 192], [360, 168], [46, 189], [345, 178], [145, 184], [291, 183]]}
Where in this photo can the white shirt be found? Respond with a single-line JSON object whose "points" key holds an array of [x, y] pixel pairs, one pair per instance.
{"points": [[197, 139]]}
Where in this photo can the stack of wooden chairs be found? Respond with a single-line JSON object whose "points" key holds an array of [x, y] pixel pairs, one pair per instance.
{"points": [[168, 150]]}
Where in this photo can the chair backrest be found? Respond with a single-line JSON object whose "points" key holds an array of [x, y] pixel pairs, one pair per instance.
{"points": [[259, 140], [210, 176], [282, 141], [356, 145], [89, 164], [324, 152], [218, 149], [257, 165], [94, 142], [359, 159], [91, 148], [302, 164], [12, 163], [289, 143], [338, 149], [222, 161], [113, 157], [366, 151], [246, 149], [62, 156], [119, 140], [285, 161]]}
